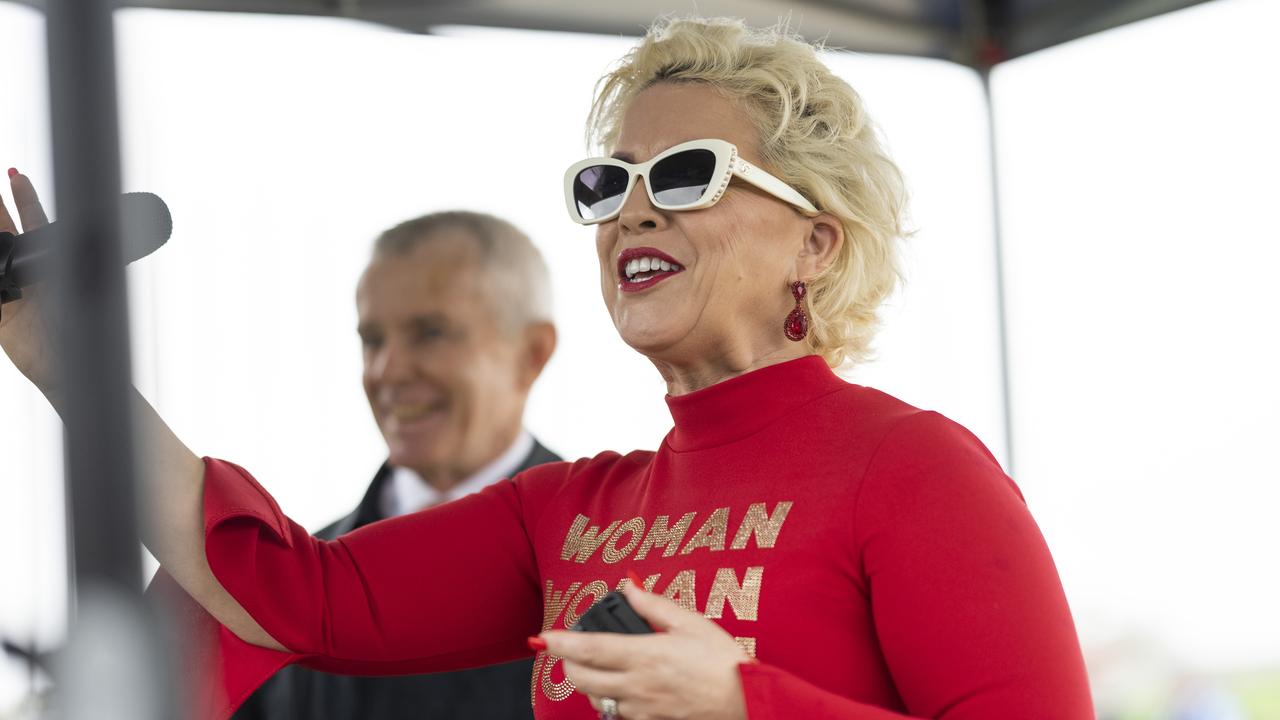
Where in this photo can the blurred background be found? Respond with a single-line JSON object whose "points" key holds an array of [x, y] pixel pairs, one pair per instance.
{"points": [[1137, 172]]}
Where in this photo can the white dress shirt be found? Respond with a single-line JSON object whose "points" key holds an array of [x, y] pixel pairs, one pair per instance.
{"points": [[407, 492]]}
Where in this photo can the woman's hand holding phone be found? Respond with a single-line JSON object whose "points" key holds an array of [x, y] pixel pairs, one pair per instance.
{"points": [[687, 667]]}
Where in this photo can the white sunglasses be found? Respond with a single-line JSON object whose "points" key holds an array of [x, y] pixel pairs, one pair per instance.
{"points": [[689, 176]]}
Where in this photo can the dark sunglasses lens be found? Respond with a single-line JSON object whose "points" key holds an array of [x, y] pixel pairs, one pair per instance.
{"points": [[683, 178], [598, 190]]}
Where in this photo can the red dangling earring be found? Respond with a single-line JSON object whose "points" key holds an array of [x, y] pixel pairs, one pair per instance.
{"points": [[797, 323]]}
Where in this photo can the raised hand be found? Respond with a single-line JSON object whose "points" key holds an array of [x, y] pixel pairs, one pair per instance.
{"points": [[22, 332]]}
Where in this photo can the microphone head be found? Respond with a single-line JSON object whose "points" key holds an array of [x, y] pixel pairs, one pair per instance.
{"points": [[145, 224]]}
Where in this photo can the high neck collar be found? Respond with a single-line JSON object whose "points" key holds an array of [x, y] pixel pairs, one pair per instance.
{"points": [[740, 406]]}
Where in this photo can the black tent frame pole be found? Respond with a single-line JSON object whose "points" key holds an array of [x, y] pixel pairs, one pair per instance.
{"points": [[1002, 307], [89, 319]]}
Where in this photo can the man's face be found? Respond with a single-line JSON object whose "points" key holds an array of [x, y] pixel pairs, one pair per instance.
{"points": [[442, 373]]}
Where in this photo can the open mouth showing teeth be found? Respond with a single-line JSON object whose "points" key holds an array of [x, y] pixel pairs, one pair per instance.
{"points": [[408, 412], [641, 269]]}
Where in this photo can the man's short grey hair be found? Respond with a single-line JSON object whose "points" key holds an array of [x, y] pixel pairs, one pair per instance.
{"points": [[517, 276]]}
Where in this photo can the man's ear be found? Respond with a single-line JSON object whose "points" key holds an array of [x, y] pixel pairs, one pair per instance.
{"points": [[821, 247], [539, 344]]}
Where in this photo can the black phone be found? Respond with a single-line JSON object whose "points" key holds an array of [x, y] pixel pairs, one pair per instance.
{"points": [[612, 613]]}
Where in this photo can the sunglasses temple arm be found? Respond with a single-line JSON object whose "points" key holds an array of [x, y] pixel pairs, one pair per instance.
{"points": [[772, 185]]}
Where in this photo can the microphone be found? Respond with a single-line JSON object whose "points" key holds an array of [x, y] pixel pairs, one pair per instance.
{"points": [[145, 225]]}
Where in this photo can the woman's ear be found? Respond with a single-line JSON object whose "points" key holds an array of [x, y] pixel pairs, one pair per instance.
{"points": [[821, 247]]}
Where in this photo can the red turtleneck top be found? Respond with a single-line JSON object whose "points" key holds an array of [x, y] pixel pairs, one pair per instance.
{"points": [[874, 559]]}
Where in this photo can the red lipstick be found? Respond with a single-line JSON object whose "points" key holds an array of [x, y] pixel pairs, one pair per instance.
{"points": [[626, 256]]}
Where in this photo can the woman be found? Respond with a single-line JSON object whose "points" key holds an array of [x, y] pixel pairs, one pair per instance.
{"points": [[808, 548]]}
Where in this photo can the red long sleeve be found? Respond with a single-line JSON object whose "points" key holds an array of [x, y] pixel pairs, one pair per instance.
{"points": [[360, 605], [872, 557], [451, 587]]}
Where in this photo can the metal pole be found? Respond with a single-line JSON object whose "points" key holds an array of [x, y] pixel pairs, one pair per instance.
{"points": [[1006, 390], [111, 668]]}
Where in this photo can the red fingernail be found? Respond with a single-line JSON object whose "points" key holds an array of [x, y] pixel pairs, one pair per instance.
{"points": [[13, 172], [635, 579], [537, 644]]}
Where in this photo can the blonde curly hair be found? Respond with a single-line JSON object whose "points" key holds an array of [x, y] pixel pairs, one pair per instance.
{"points": [[814, 134]]}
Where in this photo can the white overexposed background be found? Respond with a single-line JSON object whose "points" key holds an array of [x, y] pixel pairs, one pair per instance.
{"points": [[1139, 192], [284, 145]]}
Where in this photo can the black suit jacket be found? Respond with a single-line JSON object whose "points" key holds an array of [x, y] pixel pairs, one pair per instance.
{"points": [[497, 692]]}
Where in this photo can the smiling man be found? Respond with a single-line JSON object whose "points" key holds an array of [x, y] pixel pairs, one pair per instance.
{"points": [[455, 323]]}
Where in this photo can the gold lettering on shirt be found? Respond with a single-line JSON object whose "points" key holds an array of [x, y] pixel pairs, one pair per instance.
{"points": [[582, 542], [764, 526], [711, 534], [668, 539], [681, 590], [744, 598], [619, 540], [633, 527], [555, 691], [553, 603], [590, 593]]}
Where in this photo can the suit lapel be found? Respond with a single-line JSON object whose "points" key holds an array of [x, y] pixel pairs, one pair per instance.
{"points": [[369, 510]]}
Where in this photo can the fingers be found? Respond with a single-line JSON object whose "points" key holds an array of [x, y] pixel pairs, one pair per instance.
{"points": [[595, 682], [662, 613], [6, 220], [601, 651], [30, 211]]}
